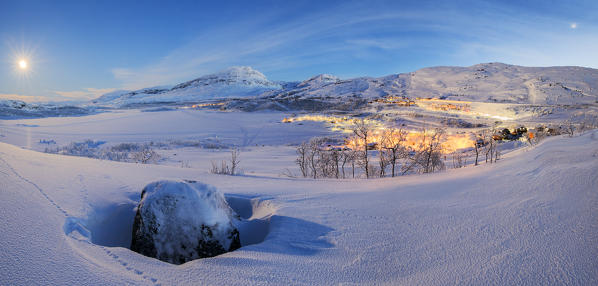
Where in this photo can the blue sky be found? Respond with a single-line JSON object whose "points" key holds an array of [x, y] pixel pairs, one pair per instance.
{"points": [[77, 50]]}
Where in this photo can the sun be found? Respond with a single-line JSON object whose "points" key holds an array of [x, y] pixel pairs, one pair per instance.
{"points": [[23, 64], [24, 60]]}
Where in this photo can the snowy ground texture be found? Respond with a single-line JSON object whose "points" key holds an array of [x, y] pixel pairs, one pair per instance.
{"points": [[530, 219]]}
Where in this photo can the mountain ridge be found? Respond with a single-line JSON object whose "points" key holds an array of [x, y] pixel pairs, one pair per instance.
{"points": [[485, 82]]}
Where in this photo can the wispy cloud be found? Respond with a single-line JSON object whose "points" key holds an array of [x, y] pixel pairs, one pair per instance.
{"points": [[384, 44], [82, 95], [484, 31], [267, 47], [25, 98], [60, 96]]}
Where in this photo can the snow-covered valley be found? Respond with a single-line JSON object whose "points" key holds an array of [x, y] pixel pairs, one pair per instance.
{"points": [[528, 218]]}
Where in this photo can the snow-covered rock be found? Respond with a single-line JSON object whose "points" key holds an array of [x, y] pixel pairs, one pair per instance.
{"points": [[179, 221]]}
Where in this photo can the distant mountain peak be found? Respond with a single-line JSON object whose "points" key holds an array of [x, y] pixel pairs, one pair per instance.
{"points": [[236, 81], [243, 72], [485, 82], [236, 75], [320, 80]]}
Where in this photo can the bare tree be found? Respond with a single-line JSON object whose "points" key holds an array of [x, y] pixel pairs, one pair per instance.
{"points": [[302, 153], [393, 142], [234, 160], [382, 161], [353, 152], [568, 127], [317, 161], [588, 122], [477, 144], [458, 159], [145, 156], [224, 168], [363, 131], [429, 156], [490, 145], [335, 156], [373, 170], [345, 156], [323, 161], [314, 155]]}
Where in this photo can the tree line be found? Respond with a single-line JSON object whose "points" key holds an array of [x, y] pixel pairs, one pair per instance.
{"points": [[316, 160]]}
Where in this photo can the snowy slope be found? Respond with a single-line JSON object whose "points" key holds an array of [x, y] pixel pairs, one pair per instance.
{"points": [[490, 82], [530, 219], [497, 82], [233, 82]]}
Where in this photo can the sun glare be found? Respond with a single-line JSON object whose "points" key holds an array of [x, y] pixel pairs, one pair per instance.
{"points": [[24, 60], [22, 64]]}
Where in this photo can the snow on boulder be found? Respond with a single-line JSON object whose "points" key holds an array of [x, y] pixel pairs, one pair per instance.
{"points": [[179, 221]]}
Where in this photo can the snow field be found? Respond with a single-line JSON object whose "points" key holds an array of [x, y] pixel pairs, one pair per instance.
{"points": [[530, 219]]}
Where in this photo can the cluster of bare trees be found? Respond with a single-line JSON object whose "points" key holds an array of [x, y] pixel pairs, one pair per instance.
{"points": [[491, 151], [382, 153], [318, 161], [579, 124], [460, 159], [394, 152], [362, 132], [146, 156], [429, 156], [391, 150], [588, 122], [224, 168]]}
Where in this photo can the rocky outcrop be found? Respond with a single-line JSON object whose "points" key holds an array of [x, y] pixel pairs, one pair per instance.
{"points": [[179, 221]]}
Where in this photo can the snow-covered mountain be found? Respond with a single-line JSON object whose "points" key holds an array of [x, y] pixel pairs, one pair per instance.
{"points": [[233, 82], [489, 82], [497, 82], [319, 80]]}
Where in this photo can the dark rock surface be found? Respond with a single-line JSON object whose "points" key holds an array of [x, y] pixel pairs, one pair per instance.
{"points": [[177, 222]]}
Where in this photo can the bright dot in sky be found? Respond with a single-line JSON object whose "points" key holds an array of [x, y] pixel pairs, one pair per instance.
{"points": [[23, 64], [573, 25]]}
